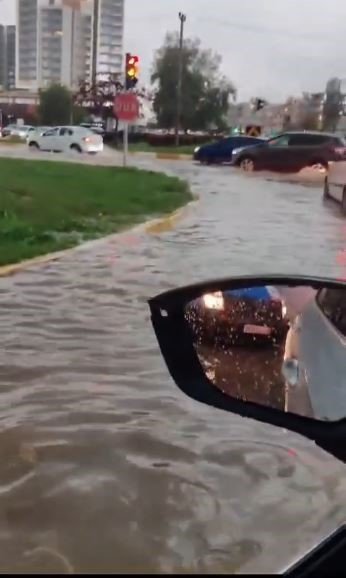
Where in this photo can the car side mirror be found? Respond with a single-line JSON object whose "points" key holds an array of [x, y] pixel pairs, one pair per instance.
{"points": [[265, 348]]}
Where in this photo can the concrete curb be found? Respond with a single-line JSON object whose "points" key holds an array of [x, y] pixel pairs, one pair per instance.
{"points": [[151, 226], [7, 270]]}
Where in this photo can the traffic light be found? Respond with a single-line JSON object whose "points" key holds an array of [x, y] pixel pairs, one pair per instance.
{"points": [[131, 71], [260, 103]]}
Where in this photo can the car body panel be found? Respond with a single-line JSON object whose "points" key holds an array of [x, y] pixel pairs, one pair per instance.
{"points": [[321, 361], [221, 151], [337, 180]]}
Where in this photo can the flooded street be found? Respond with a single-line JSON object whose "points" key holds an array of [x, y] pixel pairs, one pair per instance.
{"points": [[104, 465]]}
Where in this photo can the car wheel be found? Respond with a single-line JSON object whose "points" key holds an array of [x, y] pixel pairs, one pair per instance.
{"points": [[247, 164], [326, 189], [76, 148], [343, 201], [320, 166], [33, 145], [205, 161]]}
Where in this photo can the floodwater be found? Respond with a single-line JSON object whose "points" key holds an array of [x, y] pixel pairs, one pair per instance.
{"points": [[104, 465]]}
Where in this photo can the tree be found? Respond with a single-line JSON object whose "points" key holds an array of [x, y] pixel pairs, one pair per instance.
{"points": [[332, 105], [309, 121], [98, 96], [205, 93], [55, 105]]}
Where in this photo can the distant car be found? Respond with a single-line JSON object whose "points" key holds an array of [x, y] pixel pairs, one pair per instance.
{"points": [[36, 130], [293, 151], [221, 151], [96, 127], [20, 131], [248, 316], [335, 181], [67, 138]]}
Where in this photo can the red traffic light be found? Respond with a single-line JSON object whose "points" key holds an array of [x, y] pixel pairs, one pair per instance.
{"points": [[132, 63], [132, 70]]}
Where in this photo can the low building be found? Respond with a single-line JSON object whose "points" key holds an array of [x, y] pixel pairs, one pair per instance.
{"points": [[270, 118], [19, 104]]}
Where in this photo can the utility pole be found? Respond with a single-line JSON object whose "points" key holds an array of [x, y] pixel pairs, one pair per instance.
{"points": [[182, 18], [72, 54]]}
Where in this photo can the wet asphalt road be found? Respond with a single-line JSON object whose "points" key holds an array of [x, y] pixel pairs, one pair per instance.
{"points": [[105, 466]]}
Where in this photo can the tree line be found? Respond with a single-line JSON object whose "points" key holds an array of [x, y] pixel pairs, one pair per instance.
{"points": [[206, 92]]}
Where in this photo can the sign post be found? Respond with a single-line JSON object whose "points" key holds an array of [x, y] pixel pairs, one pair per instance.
{"points": [[126, 109], [125, 143]]}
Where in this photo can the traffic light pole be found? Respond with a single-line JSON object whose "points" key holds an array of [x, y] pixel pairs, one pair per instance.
{"points": [[182, 18], [125, 125]]}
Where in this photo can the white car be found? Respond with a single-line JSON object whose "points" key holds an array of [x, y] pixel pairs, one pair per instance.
{"points": [[335, 181], [67, 139], [18, 130]]}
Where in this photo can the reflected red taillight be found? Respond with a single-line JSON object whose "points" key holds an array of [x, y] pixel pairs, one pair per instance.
{"points": [[340, 151]]}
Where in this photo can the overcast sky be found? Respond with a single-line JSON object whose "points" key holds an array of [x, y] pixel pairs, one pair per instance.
{"points": [[270, 48]]}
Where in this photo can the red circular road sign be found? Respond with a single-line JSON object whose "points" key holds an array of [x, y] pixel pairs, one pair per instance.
{"points": [[126, 107]]}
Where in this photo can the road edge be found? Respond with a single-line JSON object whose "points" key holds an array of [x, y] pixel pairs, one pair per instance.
{"points": [[163, 156], [149, 226]]}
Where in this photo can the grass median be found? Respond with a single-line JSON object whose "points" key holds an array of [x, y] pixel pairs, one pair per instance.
{"points": [[47, 206]]}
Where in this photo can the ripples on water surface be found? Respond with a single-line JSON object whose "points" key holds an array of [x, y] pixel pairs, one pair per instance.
{"points": [[104, 465]]}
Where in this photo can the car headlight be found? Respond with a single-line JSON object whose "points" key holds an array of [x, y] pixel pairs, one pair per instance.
{"points": [[236, 151], [283, 310], [197, 149], [214, 301]]}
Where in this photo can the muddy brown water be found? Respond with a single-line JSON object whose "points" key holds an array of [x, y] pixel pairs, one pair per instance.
{"points": [[104, 465]]}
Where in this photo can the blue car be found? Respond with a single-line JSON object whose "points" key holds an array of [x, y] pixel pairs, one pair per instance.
{"points": [[221, 151]]}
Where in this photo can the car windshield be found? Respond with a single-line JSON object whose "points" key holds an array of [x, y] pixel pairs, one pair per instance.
{"points": [[145, 145]]}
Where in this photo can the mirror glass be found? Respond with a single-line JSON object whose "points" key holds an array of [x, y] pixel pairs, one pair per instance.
{"points": [[278, 346]]}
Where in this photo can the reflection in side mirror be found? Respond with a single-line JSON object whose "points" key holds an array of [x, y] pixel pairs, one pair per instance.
{"points": [[278, 346]]}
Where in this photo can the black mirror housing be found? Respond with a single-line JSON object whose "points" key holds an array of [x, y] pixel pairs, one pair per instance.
{"points": [[174, 338]]}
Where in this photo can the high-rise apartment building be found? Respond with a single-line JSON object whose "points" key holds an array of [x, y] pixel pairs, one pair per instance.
{"points": [[65, 41], [108, 38], [7, 57]]}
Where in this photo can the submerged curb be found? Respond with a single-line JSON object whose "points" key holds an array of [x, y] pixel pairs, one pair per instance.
{"points": [[151, 226], [163, 156], [173, 157]]}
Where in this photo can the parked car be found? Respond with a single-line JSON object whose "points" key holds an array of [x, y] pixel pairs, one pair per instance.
{"points": [[36, 130], [67, 138], [221, 151], [292, 152], [98, 127], [20, 131], [335, 182], [250, 316]]}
